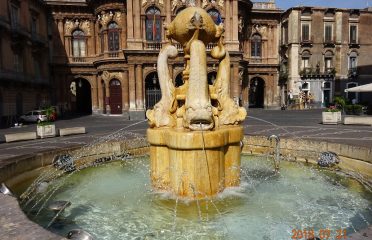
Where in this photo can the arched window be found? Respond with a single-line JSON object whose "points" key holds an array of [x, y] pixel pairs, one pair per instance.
{"points": [[153, 24], [113, 37], [256, 44], [78, 43], [216, 16]]}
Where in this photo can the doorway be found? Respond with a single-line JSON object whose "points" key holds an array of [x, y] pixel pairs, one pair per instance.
{"points": [[257, 93], [115, 97], [83, 97]]}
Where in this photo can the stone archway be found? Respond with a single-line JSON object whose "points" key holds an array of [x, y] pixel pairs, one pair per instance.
{"points": [[116, 106], [178, 81], [152, 90], [211, 77], [83, 96], [257, 93]]}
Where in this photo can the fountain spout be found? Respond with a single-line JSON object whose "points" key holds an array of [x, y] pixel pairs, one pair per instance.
{"points": [[276, 153]]}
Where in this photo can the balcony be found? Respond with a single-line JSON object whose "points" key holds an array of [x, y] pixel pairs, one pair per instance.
{"points": [[113, 54], [353, 72], [307, 42], [153, 45], [354, 43], [311, 73], [210, 46], [329, 43], [264, 5]]}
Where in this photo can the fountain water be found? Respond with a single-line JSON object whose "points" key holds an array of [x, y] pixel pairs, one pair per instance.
{"points": [[185, 126]]}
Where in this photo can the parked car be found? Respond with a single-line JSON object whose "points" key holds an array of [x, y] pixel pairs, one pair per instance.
{"points": [[34, 116]]}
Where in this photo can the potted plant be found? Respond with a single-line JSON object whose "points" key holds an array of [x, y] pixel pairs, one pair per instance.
{"points": [[47, 128], [331, 116]]}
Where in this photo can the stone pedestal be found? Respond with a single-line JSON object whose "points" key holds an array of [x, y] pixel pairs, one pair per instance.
{"points": [[195, 164]]}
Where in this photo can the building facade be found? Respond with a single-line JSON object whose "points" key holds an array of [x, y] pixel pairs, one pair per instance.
{"points": [[100, 56], [105, 52], [24, 58], [324, 51]]}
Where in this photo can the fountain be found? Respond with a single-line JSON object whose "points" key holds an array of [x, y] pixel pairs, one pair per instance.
{"points": [[194, 132], [200, 186]]}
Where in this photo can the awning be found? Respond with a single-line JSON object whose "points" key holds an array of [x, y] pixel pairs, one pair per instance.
{"points": [[361, 88]]}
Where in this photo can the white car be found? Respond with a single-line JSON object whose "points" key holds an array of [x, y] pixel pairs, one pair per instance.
{"points": [[34, 116]]}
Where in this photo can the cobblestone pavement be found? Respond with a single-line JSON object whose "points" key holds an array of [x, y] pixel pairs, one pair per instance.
{"points": [[290, 124]]}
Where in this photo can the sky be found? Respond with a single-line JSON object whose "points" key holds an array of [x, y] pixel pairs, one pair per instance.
{"points": [[285, 4]]}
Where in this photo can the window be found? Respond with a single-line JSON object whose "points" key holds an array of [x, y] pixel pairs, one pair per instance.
{"points": [[216, 16], [353, 61], [305, 33], [33, 25], [18, 62], [113, 37], [153, 25], [353, 34], [352, 96], [78, 43], [102, 38], [14, 14], [328, 33], [328, 59], [256, 45], [305, 60]]}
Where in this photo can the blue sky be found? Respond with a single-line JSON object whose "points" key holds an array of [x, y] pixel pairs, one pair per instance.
{"points": [[284, 4]]}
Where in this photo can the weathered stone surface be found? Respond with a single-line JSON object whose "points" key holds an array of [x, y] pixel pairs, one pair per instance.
{"points": [[15, 225], [20, 136], [358, 120], [71, 131]]}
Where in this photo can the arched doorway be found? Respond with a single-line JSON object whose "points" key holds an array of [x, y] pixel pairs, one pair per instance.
{"points": [[152, 88], [83, 96], [179, 80], [211, 77], [115, 97], [256, 93]]}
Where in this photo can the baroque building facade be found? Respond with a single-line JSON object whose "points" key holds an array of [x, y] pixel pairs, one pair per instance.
{"points": [[325, 51], [105, 52], [24, 58], [99, 57]]}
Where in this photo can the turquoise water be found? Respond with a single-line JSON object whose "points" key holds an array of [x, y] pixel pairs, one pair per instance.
{"points": [[115, 201]]}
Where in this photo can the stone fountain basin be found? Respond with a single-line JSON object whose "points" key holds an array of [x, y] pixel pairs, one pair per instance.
{"points": [[14, 222]]}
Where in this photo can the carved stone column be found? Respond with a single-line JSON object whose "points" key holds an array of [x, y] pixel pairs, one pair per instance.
{"points": [[125, 91], [107, 100], [101, 100], [139, 86], [95, 97], [132, 88]]}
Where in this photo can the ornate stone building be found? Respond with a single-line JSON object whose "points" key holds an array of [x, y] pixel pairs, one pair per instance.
{"points": [[326, 50], [102, 54], [24, 58]]}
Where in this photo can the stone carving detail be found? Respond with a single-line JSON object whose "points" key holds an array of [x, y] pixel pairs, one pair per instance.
{"points": [[256, 28], [144, 2], [241, 24], [188, 3], [71, 25], [221, 3], [205, 3], [107, 76], [105, 17], [197, 112]]}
